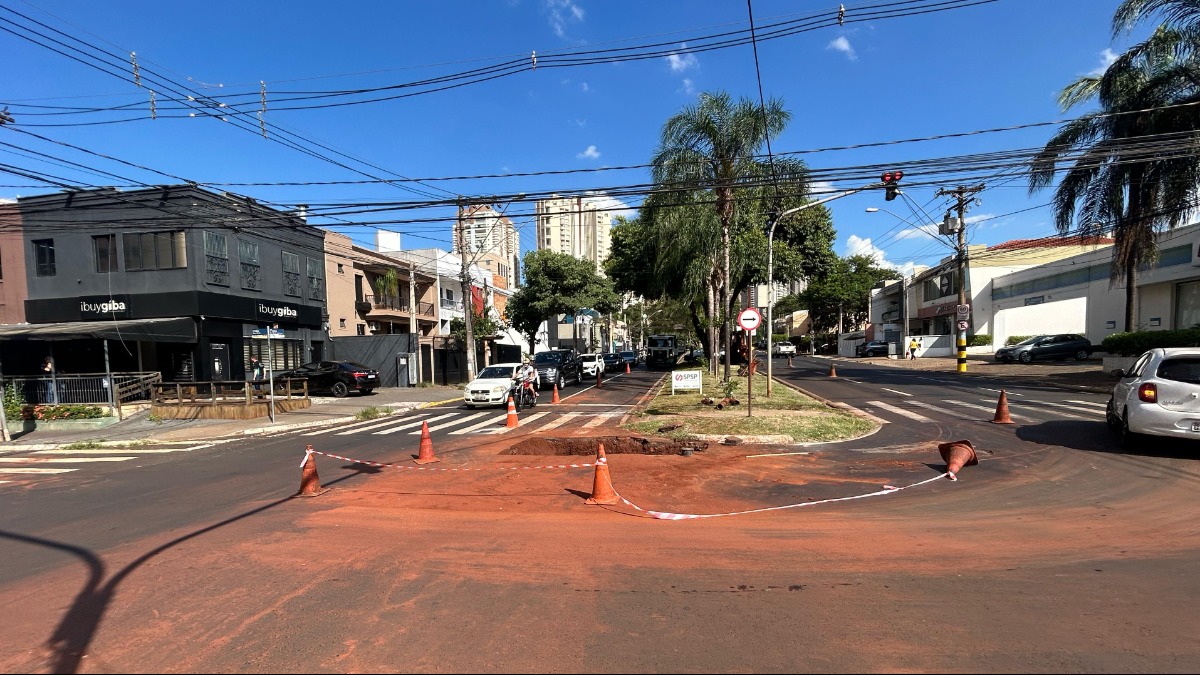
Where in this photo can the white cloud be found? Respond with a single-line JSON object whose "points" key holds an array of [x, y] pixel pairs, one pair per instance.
{"points": [[612, 204], [681, 63], [590, 153], [821, 187], [579, 122], [563, 12], [843, 45], [584, 86], [688, 87], [856, 245], [6, 200], [1106, 59]]}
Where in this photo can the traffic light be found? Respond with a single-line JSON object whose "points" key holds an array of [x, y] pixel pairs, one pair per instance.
{"points": [[890, 180]]}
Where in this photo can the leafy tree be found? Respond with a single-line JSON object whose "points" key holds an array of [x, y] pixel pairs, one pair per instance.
{"points": [[713, 146], [1107, 188], [557, 283], [844, 291], [387, 286]]}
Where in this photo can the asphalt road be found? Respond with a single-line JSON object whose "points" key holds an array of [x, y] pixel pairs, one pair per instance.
{"points": [[1055, 554]]}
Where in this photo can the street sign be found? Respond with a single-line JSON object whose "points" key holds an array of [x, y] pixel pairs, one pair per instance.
{"points": [[964, 312], [962, 325], [265, 333], [749, 319]]}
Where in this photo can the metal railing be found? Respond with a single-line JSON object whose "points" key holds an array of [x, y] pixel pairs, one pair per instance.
{"points": [[226, 393], [456, 305], [393, 303], [84, 388], [425, 308]]}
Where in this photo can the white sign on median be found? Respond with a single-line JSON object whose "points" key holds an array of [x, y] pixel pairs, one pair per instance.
{"points": [[687, 379]]}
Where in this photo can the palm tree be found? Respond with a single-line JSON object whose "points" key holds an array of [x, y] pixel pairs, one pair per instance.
{"points": [[1134, 166], [712, 145]]}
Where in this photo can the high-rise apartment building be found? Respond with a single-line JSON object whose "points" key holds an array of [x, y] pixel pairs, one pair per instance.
{"points": [[580, 226], [492, 241]]}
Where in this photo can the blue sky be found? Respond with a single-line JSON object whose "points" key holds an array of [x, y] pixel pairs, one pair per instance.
{"points": [[869, 81]]}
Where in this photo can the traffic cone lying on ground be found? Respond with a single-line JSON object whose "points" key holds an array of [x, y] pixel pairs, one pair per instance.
{"points": [[1001, 416], [425, 455], [956, 455], [310, 483], [832, 371], [555, 398], [512, 414], [602, 489]]}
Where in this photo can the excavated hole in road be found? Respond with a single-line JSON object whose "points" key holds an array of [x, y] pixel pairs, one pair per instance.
{"points": [[613, 445]]}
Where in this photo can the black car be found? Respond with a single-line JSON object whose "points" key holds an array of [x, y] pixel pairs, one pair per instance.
{"points": [[556, 367], [873, 348], [611, 361], [630, 357], [336, 377], [1046, 347]]}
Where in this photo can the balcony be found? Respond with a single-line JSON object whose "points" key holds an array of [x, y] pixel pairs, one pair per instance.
{"points": [[452, 305], [384, 307]]}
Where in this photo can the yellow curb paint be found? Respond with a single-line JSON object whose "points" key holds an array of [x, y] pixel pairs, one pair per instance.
{"points": [[433, 403]]}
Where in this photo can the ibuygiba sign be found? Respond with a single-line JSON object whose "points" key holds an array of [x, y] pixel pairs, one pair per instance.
{"points": [[102, 306]]}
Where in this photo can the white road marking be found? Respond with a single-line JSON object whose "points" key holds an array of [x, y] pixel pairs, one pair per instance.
{"points": [[507, 429], [598, 420], [562, 419], [451, 423], [410, 425], [900, 411], [500, 420], [62, 460], [896, 392], [1076, 408], [1006, 392], [29, 470], [367, 425], [991, 409], [1091, 403]]}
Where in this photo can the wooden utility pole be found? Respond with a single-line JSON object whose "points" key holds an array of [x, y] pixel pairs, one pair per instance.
{"points": [[963, 197]]}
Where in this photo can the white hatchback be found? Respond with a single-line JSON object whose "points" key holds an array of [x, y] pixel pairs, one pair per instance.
{"points": [[1158, 396], [491, 386], [591, 363]]}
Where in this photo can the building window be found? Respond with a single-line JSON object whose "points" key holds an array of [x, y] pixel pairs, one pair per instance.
{"points": [[251, 265], [104, 251], [314, 279], [341, 269], [362, 329], [291, 274], [216, 258], [155, 251], [341, 323], [43, 251]]}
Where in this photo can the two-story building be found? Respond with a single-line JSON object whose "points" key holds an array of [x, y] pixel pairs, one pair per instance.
{"points": [[190, 274]]}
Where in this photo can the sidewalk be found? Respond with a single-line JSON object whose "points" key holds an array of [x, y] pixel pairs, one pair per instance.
{"points": [[1070, 375], [325, 411]]}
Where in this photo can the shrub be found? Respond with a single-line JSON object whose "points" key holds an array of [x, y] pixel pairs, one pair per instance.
{"points": [[64, 412], [1014, 339], [370, 413], [14, 402], [980, 340], [1134, 344]]}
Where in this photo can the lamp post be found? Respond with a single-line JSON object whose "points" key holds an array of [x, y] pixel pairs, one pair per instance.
{"points": [[772, 222], [465, 276]]}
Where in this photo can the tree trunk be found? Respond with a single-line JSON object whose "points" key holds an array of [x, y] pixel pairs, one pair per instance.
{"points": [[1131, 299], [712, 326], [726, 300]]}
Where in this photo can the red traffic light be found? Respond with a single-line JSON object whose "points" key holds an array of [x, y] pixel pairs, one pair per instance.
{"points": [[892, 176]]}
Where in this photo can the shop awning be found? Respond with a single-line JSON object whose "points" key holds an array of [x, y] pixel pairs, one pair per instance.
{"points": [[181, 329]]}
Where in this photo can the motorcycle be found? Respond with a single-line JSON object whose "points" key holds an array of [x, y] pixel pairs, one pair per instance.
{"points": [[522, 394]]}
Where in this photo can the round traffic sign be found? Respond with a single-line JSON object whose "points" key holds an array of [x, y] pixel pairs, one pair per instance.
{"points": [[749, 319], [962, 325]]}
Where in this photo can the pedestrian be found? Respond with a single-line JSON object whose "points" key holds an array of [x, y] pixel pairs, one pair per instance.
{"points": [[48, 371], [256, 371], [913, 346]]}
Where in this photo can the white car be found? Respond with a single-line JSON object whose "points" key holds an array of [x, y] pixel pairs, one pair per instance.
{"points": [[591, 362], [783, 349], [1159, 395], [491, 386]]}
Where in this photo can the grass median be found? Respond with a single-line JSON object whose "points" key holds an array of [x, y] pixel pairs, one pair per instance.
{"points": [[787, 412]]}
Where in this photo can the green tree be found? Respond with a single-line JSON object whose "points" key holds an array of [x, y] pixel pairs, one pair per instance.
{"points": [[713, 146], [557, 283], [844, 291], [1110, 186], [387, 286]]}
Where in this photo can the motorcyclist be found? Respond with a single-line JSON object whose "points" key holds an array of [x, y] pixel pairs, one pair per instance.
{"points": [[526, 375]]}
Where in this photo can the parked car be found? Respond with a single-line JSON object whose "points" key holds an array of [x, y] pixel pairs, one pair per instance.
{"points": [[1158, 396], [630, 357], [591, 363], [491, 385], [872, 348], [335, 377], [557, 366], [783, 349], [611, 361], [1044, 347]]}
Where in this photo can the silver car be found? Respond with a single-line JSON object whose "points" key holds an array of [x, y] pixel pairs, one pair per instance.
{"points": [[1158, 396]]}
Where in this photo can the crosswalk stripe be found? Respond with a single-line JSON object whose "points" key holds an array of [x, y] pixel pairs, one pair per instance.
{"points": [[990, 409], [62, 460], [451, 423], [527, 420], [357, 427], [497, 420], [31, 470], [562, 419], [1091, 411], [900, 411], [1097, 404], [410, 425]]}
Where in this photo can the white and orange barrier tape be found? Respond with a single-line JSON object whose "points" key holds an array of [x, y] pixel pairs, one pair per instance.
{"points": [[391, 465], [665, 515]]}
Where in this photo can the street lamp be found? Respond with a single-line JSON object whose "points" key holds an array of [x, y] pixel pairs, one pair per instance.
{"points": [[465, 277], [774, 220]]}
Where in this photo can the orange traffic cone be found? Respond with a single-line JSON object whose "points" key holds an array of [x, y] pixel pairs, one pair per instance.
{"points": [[626, 367], [1002, 410], [832, 371], [425, 455], [310, 483], [602, 489], [555, 399], [599, 376], [512, 414], [956, 455]]}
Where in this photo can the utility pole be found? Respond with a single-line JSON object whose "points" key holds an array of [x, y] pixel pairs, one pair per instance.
{"points": [[963, 196], [468, 298]]}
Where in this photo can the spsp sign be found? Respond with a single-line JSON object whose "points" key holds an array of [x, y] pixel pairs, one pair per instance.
{"points": [[687, 379]]}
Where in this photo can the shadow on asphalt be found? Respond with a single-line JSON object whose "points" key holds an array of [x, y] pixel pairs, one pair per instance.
{"points": [[1097, 437]]}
